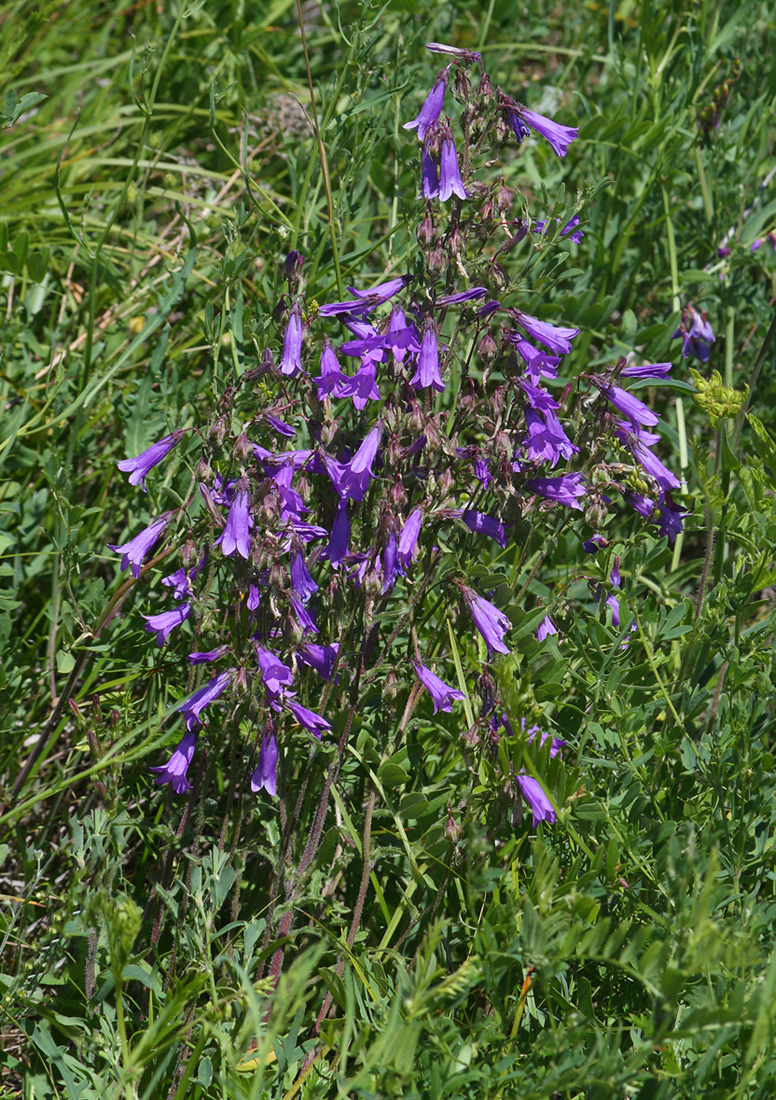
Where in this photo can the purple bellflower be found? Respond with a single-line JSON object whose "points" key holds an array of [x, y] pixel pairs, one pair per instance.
{"points": [[265, 775], [331, 377], [362, 387], [450, 182], [408, 539], [429, 172], [291, 363], [554, 337], [308, 718], [427, 365], [136, 549], [647, 371], [469, 295], [165, 623], [533, 792], [276, 676], [138, 467], [432, 107], [320, 657], [626, 403], [202, 697], [696, 333], [491, 623], [442, 694], [174, 771], [520, 118], [481, 524], [301, 581], [351, 479], [236, 534], [566, 489]]}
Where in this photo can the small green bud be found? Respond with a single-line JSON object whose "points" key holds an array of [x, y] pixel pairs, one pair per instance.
{"points": [[716, 399]]}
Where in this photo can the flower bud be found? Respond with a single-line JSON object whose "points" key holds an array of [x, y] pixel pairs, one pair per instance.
{"points": [[426, 232], [243, 448]]}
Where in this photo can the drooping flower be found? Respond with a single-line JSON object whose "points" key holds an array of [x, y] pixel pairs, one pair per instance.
{"points": [[291, 363], [390, 563], [594, 543], [566, 489], [409, 538], [202, 697], [481, 524], [163, 624], [566, 231], [265, 774], [174, 771], [469, 295], [236, 534], [136, 549], [331, 377], [626, 403], [301, 581], [432, 107], [534, 794], [304, 619], [362, 386], [138, 467], [647, 371], [427, 364], [198, 658], [308, 718], [442, 694], [450, 182], [491, 623], [320, 657], [554, 337], [351, 479], [519, 117], [429, 173]]}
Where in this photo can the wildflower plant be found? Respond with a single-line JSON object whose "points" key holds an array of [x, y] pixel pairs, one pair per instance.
{"points": [[349, 486]]}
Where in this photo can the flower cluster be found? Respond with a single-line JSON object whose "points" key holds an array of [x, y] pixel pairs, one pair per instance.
{"points": [[409, 415]]}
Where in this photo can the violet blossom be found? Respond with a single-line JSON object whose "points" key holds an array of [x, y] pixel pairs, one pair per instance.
{"points": [[139, 466], [265, 774], [236, 534], [202, 697], [554, 337], [427, 364], [136, 549], [442, 694], [490, 622], [450, 182], [166, 622], [322, 658], [409, 538], [432, 107], [308, 718], [174, 771], [566, 489], [291, 363]]}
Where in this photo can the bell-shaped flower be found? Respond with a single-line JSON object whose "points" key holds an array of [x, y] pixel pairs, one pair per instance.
{"points": [[563, 490], [320, 657], [136, 549], [408, 539], [236, 534], [491, 623], [450, 182], [202, 697], [265, 774], [432, 107], [427, 363], [291, 363], [276, 676], [481, 524], [533, 792], [442, 694], [308, 718], [301, 581], [138, 467], [163, 624], [555, 337], [174, 771]]}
